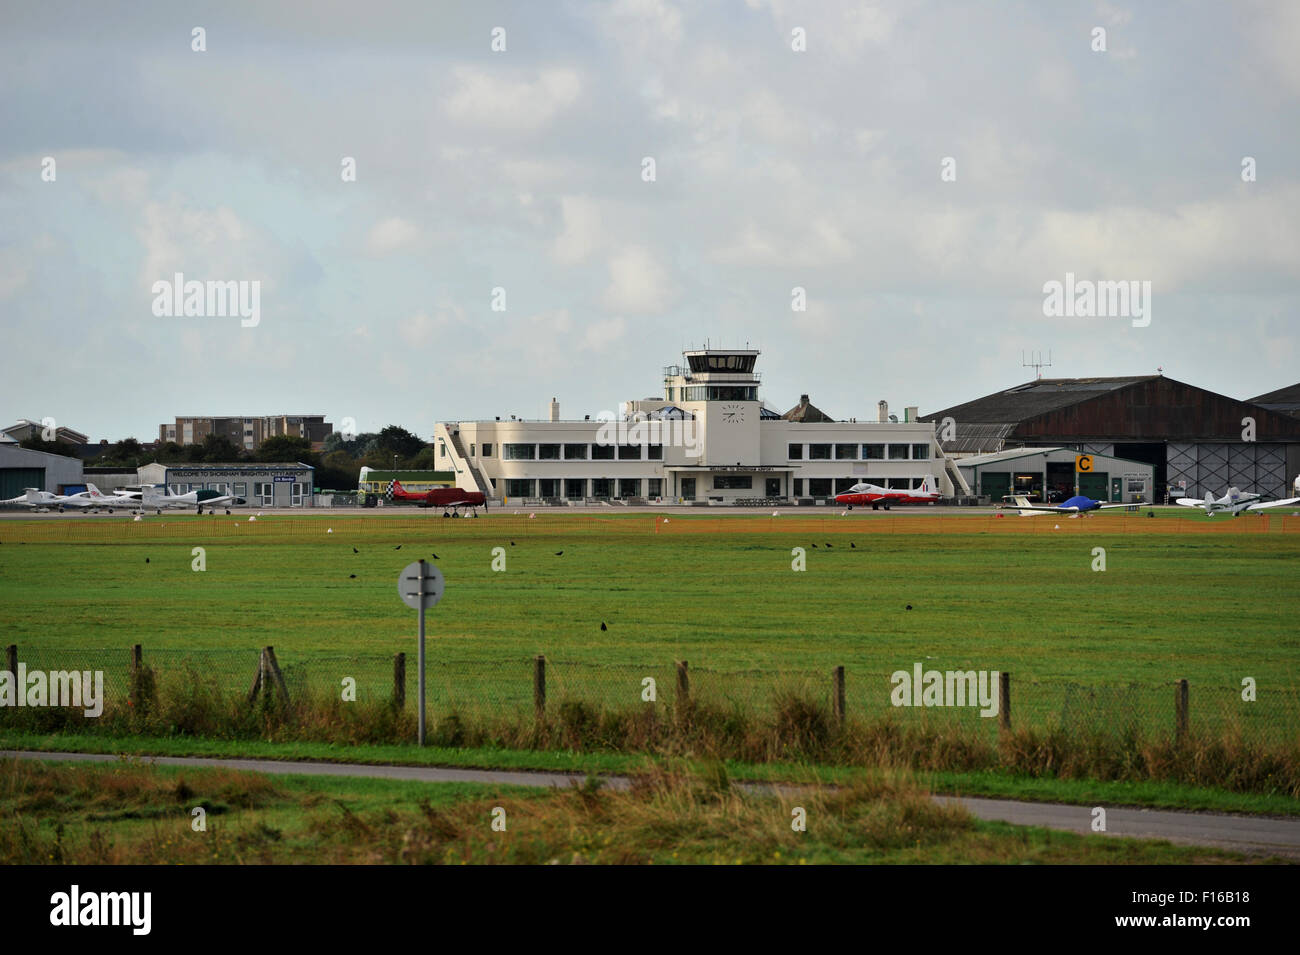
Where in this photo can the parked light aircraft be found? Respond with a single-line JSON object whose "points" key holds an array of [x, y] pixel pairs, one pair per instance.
{"points": [[1074, 506], [877, 496], [444, 497], [153, 498], [1235, 502]]}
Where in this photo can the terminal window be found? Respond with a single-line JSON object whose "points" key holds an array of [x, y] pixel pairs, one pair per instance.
{"points": [[656, 487], [873, 452], [602, 487], [656, 452], [794, 452], [575, 452], [548, 452], [519, 487], [898, 452], [575, 488], [920, 452], [487, 449], [629, 452], [819, 487], [846, 452], [519, 452], [629, 487], [602, 452], [732, 482], [819, 452]]}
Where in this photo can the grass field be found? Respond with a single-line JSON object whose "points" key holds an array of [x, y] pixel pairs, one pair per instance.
{"points": [[1181, 597]]}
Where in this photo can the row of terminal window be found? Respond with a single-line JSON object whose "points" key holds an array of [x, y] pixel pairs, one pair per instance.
{"points": [[864, 452], [576, 452], [578, 488]]}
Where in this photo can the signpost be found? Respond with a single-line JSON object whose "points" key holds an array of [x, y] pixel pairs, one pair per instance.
{"points": [[420, 586]]}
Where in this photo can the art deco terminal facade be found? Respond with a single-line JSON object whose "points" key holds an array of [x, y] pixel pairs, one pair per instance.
{"points": [[708, 439]]}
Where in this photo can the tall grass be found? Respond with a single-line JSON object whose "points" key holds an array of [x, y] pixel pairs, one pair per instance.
{"points": [[798, 727]]}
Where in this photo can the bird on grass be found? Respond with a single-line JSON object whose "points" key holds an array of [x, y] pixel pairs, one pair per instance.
{"points": [[512, 543], [828, 546], [909, 607], [355, 551], [352, 576], [398, 547], [436, 557], [853, 545], [814, 546], [146, 560], [602, 625], [559, 553]]}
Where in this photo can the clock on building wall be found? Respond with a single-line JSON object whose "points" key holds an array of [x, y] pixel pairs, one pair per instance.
{"points": [[733, 414]]}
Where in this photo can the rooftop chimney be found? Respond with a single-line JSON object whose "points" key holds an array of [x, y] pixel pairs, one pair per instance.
{"points": [[882, 407], [803, 400], [555, 410]]}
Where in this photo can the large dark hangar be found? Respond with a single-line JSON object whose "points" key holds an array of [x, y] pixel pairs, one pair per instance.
{"points": [[1198, 441]]}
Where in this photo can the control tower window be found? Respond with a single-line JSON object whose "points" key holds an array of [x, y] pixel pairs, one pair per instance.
{"points": [[736, 364]]}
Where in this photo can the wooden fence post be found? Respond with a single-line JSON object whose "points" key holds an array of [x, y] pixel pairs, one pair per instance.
{"points": [[837, 697], [539, 687], [259, 679], [1180, 711], [11, 662], [273, 667], [1004, 700], [399, 680], [683, 687]]}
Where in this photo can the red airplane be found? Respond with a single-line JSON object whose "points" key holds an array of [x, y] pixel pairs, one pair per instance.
{"points": [[444, 497], [877, 496]]}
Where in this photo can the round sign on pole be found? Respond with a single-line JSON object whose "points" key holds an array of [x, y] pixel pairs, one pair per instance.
{"points": [[420, 591]]}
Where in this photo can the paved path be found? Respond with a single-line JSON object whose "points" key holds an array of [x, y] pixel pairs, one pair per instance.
{"points": [[1254, 834]]}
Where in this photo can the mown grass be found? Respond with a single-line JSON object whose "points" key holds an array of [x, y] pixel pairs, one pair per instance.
{"points": [[129, 813]]}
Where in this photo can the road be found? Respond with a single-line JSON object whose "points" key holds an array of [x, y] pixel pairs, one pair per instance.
{"points": [[1249, 834]]}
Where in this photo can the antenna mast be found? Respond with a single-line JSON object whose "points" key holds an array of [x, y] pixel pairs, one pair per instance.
{"points": [[1036, 362]]}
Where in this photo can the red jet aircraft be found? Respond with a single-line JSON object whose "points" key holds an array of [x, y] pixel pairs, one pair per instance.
{"points": [[877, 496]]}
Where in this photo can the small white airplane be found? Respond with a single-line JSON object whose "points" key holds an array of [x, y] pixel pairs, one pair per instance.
{"points": [[35, 498], [1235, 502], [93, 499], [1079, 504], [153, 498]]}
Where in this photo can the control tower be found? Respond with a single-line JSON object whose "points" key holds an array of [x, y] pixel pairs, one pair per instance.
{"points": [[720, 387]]}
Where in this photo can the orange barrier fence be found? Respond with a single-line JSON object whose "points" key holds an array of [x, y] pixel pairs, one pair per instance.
{"points": [[284, 528]]}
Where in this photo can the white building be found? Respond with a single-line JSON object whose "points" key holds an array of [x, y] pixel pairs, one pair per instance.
{"points": [[707, 439]]}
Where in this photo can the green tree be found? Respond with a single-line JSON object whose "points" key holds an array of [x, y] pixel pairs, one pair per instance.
{"points": [[218, 449], [397, 440], [284, 447]]}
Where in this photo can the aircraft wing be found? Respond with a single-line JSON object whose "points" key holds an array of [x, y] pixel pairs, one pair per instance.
{"points": [[1282, 503], [1102, 507], [1189, 502]]}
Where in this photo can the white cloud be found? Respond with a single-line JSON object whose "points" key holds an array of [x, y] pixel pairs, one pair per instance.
{"points": [[638, 284], [389, 235], [485, 98], [581, 233]]}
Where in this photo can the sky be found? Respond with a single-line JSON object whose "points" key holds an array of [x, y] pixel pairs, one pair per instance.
{"points": [[920, 170]]}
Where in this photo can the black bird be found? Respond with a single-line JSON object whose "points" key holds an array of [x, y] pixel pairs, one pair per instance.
{"points": [[909, 606], [146, 560], [436, 557], [559, 553], [398, 547], [512, 543], [853, 545], [828, 546], [355, 551], [814, 546], [602, 625], [352, 576]]}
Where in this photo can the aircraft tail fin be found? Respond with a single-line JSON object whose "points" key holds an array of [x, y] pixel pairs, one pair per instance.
{"points": [[397, 487], [94, 491], [928, 485], [33, 496]]}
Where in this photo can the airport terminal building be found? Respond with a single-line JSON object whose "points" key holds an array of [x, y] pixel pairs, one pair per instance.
{"points": [[708, 439]]}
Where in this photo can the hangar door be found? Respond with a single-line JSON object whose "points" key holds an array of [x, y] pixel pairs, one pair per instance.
{"points": [[13, 480], [995, 484], [1095, 484]]}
